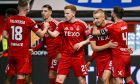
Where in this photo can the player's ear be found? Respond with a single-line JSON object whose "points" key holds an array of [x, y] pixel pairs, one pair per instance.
{"points": [[73, 12], [50, 12]]}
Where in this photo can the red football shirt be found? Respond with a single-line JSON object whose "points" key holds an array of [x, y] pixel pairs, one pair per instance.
{"points": [[118, 32], [19, 29], [50, 42], [101, 40], [72, 33]]}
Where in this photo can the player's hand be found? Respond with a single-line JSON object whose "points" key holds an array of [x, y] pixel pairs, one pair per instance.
{"points": [[130, 50], [31, 51], [1, 54], [88, 64], [77, 46], [112, 44], [46, 25]]}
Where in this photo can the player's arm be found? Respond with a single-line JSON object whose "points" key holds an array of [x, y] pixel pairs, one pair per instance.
{"points": [[3, 52], [53, 34], [96, 48], [77, 46], [40, 33], [90, 60], [103, 31], [95, 31]]}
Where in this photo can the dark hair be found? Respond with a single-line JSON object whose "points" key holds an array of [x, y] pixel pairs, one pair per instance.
{"points": [[47, 6], [11, 11], [119, 11], [72, 7]]}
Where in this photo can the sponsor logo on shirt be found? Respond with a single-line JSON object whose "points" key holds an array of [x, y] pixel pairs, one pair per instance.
{"points": [[103, 37], [70, 33], [16, 44]]}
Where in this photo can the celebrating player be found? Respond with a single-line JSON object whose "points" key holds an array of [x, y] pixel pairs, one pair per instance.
{"points": [[118, 32], [17, 31], [53, 44], [73, 32]]}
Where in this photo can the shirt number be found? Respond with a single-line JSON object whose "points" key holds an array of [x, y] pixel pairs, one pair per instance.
{"points": [[16, 33], [124, 36]]}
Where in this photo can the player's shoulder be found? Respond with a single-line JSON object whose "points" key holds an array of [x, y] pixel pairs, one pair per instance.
{"points": [[81, 22], [62, 22], [11, 17], [30, 20], [55, 21], [121, 23], [109, 22]]}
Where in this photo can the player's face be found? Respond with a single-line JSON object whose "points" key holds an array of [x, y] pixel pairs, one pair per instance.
{"points": [[99, 18], [69, 14], [45, 13]]}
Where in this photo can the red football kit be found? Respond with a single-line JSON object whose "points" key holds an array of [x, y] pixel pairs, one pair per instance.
{"points": [[118, 32], [19, 30], [72, 33], [103, 58], [53, 46]]}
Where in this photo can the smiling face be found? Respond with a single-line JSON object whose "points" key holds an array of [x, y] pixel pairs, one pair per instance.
{"points": [[99, 18]]}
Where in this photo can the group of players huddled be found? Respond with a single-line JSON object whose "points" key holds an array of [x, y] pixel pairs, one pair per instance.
{"points": [[65, 41]]}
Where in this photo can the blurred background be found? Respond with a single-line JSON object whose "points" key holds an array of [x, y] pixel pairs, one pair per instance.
{"points": [[85, 10]]}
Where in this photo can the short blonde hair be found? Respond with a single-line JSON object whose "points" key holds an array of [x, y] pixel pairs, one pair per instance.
{"points": [[100, 11]]}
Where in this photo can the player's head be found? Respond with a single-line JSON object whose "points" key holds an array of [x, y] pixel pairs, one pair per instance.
{"points": [[46, 11], [99, 17], [10, 12], [23, 5], [117, 12], [70, 11]]}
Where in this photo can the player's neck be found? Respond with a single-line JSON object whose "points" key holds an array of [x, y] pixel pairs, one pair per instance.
{"points": [[49, 19], [118, 20], [22, 13], [72, 20]]}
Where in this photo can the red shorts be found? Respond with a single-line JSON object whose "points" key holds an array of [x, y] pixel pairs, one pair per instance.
{"points": [[52, 62], [121, 66], [19, 65], [69, 61], [103, 65]]}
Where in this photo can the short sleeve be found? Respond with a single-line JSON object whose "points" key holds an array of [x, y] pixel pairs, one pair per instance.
{"points": [[33, 25], [59, 28]]}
